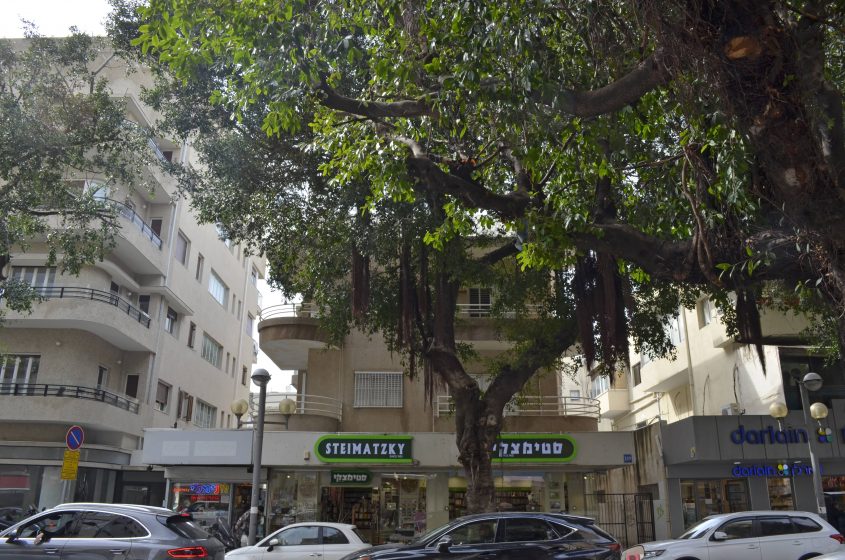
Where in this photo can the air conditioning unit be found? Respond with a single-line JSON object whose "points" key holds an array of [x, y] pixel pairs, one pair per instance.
{"points": [[731, 409]]}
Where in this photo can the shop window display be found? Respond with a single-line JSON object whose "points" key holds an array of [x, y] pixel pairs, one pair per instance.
{"points": [[701, 498], [206, 501], [780, 493], [834, 499], [293, 498], [20, 487]]}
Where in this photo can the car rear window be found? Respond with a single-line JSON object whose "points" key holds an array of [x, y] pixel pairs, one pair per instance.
{"points": [[185, 527], [773, 526], [805, 525], [360, 535]]}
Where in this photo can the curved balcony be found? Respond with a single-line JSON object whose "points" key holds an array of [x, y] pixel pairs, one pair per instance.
{"points": [[139, 247], [312, 413], [288, 331], [47, 403], [112, 318], [533, 414]]}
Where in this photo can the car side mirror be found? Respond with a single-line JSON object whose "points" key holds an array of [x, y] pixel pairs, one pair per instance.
{"points": [[444, 544], [720, 536], [271, 544]]}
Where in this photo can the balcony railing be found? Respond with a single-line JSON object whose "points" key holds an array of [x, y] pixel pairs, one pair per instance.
{"points": [[71, 391], [75, 292], [129, 213], [310, 310], [534, 406], [289, 310], [305, 404]]}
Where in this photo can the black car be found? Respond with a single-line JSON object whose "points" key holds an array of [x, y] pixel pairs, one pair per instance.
{"points": [[505, 536], [108, 531]]}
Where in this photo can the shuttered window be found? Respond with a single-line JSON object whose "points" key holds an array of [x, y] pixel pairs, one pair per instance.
{"points": [[205, 415], [218, 289], [378, 389], [211, 352], [19, 368]]}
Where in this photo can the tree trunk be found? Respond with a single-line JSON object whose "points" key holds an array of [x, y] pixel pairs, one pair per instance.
{"points": [[477, 428]]}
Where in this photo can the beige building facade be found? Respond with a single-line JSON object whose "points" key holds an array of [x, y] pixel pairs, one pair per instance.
{"points": [[160, 333]]}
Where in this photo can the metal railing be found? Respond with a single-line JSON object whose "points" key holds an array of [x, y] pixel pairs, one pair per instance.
{"points": [[534, 406], [75, 292], [129, 214], [305, 404], [72, 391], [464, 310]]}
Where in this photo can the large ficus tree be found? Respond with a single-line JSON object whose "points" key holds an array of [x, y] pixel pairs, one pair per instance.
{"points": [[690, 141], [60, 125]]}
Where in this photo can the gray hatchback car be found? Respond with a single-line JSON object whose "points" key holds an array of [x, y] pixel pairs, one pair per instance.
{"points": [[83, 531]]}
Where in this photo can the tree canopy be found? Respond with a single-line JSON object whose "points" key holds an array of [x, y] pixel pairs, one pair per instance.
{"points": [[695, 142], [59, 126]]}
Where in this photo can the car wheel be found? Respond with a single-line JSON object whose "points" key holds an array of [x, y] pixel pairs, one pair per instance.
{"points": [[811, 555]]}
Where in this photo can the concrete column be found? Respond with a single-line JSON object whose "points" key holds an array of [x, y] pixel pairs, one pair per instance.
{"points": [[437, 501], [758, 493], [52, 488], [676, 507], [803, 493]]}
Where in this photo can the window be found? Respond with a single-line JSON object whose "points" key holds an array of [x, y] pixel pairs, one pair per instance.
{"points": [[234, 303], [253, 275], [636, 374], [218, 290], [205, 415], [705, 312], [162, 396], [600, 384], [226, 365], [56, 523], [234, 365], [155, 225], [240, 308], [19, 368], [298, 536], [575, 394], [805, 525], [333, 536], [35, 276], [212, 351], [170, 321], [739, 529], [102, 377], [243, 376], [676, 331], [144, 303], [250, 324], [182, 248], [132, 385], [378, 389], [528, 529], [185, 407], [773, 526], [479, 302], [200, 264], [192, 334], [480, 532], [102, 525]]}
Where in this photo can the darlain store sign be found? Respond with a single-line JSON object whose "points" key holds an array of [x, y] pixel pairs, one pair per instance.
{"points": [[364, 449], [770, 435]]}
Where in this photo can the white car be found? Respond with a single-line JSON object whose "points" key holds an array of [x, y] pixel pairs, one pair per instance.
{"points": [[751, 535], [305, 541]]}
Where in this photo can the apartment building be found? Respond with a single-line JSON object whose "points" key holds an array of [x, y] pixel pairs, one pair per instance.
{"points": [[705, 440], [363, 445], [157, 334]]}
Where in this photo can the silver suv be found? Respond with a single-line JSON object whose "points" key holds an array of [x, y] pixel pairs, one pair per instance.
{"points": [[108, 531]]}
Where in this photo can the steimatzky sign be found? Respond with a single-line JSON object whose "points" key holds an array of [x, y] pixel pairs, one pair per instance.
{"points": [[351, 477], [364, 449], [534, 448]]}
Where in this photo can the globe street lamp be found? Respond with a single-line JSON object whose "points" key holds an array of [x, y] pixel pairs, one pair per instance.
{"points": [[260, 377], [810, 382], [239, 408], [287, 407]]}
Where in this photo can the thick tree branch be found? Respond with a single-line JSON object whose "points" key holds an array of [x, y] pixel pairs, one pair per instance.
{"points": [[372, 109], [648, 74]]}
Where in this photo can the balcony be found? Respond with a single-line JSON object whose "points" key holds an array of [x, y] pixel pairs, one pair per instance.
{"points": [[138, 246], [532, 414], [38, 403], [287, 332], [614, 403], [112, 318], [312, 413]]}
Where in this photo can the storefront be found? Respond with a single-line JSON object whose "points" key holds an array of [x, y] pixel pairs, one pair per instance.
{"points": [[721, 464], [391, 486]]}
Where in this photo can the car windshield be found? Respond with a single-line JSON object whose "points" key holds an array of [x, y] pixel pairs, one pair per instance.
{"points": [[698, 530]]}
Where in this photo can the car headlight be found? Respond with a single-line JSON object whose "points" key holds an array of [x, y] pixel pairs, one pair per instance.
{"points": [[653, 553]]}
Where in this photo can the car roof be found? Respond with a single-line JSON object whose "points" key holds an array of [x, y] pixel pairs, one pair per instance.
{"points": [[763, 512], [124, 508], [547, 515]]}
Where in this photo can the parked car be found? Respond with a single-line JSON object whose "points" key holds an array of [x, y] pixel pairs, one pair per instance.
{"points": [[505, 536], [120, 531], [305, 541], [751, 535], [840, 555]]}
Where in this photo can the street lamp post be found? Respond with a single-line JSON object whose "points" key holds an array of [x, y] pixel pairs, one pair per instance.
{"points": [[811, 382], [239, 408], [260, 377]]}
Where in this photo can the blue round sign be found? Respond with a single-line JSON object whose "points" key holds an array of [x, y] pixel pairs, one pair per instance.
{"points": [[74, 438]]}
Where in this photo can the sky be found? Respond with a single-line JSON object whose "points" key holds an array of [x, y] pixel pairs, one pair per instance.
{"points": [[54, 18]]}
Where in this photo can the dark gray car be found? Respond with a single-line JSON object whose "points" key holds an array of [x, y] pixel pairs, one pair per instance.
{"points": [[80, 531]]}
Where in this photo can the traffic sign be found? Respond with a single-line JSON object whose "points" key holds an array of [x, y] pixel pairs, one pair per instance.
{"points": [[70, 465], [74, 438]]}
